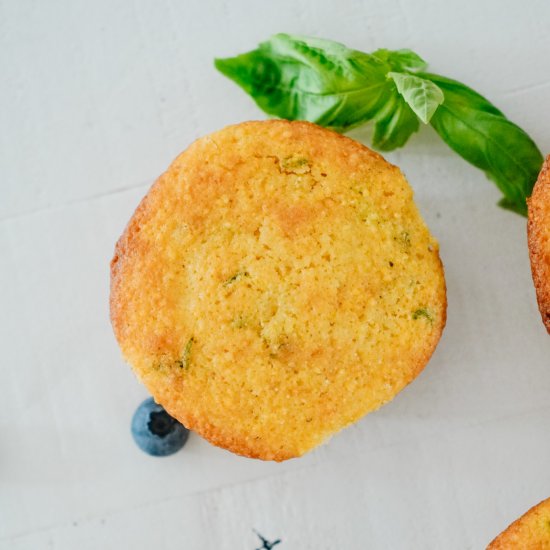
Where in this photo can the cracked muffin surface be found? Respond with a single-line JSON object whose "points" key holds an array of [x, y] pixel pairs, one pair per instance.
{"points": [[276, 284]]}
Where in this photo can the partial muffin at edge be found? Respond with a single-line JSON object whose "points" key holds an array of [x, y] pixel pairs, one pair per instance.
{"points": [[538, 231], [276, 284], [530, 532]]}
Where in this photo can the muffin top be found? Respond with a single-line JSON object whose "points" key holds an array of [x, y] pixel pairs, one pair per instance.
{"points": [[530, 532], [538, 228], [276, 284]]}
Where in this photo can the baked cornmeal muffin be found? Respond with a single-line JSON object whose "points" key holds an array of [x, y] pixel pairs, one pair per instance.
{"points": [[530, 532], [276, 284], [538, 230]]}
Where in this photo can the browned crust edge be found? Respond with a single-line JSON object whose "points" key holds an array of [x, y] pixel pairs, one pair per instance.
{"points": [[225, 439], [539, 253], [502, 541]]}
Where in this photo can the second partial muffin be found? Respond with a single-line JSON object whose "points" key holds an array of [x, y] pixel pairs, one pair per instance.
{"points": [[530, 532], [538, 232], [276, 284]]}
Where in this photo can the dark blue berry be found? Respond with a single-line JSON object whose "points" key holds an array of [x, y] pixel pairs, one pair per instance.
{"points": [[156, 432]]}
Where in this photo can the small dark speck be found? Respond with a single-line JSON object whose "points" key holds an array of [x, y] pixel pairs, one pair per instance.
{"points": [[391, 264], [438, 215], [75, 523], [266, 545], [323, 174]]}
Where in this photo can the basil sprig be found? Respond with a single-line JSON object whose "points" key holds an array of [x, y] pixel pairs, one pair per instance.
{"points": [[301, 78]]}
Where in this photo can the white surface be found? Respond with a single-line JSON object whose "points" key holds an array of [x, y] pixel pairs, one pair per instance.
{"points": [[96, 99]]}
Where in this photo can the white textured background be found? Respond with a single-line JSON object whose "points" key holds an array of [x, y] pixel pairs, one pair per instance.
{"points": [[96, 98]]}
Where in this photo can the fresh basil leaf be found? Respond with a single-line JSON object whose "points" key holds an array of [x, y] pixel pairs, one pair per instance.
{"points": [[395, 123], [322, 81], [301, 78], [507, 204], [462, 93], [483, 136], [401, 60], [423, 96]]}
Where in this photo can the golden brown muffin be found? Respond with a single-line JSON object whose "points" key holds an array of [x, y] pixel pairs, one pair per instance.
{"points": [[530, 532], [276, 284], [538, 231]]}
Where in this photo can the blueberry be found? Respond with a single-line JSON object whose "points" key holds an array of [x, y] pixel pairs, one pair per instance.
{"points": [[156, 432]]}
